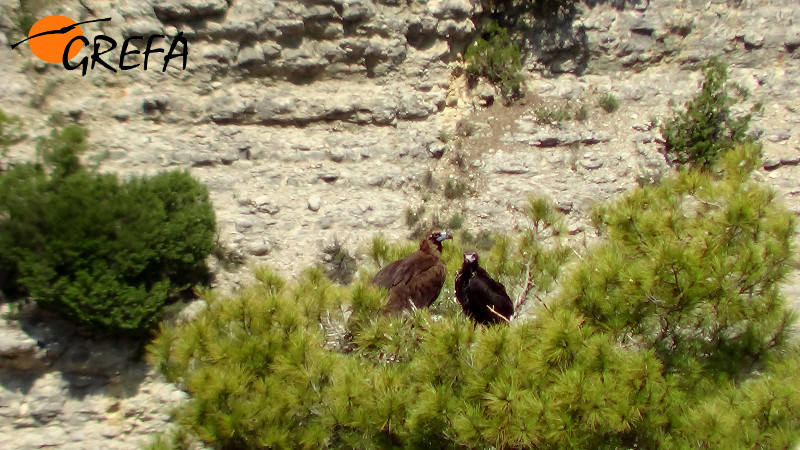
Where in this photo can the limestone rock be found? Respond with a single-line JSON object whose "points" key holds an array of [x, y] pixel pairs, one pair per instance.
{"points": [[314, 203], [191, 311], [189, 9], [245, 18], [19, 351], [229, 106], [250, 56], [357, 10], [259, 247], [97, 357], [414, 106], [591, 162], [155, 103], [45, 400], [267, 205], [792, 39], [244, 224], [451, 9]]}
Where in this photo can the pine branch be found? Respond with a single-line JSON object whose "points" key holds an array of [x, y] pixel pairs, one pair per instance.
{"points": [[523, 297]]}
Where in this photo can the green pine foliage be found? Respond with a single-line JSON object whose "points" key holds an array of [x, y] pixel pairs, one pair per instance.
{"points": [[261, 376], [669, 334], [691, 268], [697, 136], [105, 254], [497, 58], [538, 8]]}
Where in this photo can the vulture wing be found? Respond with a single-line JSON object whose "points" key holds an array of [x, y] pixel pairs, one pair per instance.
{"points": [[417, 277], [402, 270], [479, 293]]}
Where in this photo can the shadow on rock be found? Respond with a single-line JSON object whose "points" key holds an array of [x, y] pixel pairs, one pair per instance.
{"points": [[35, 343], [552, 41]]}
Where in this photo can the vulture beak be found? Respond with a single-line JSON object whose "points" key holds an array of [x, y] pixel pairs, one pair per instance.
{"points": [[444, 235]]}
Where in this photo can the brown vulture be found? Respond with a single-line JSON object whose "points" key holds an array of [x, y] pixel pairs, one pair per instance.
{"points": [[482, 298], [416, 278]]}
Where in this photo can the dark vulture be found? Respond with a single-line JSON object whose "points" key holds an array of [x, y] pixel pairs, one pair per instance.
{"points": [[417, 277], [482, 298]]}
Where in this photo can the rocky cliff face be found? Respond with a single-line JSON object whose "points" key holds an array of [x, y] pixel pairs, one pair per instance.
{"points": [[304, 118], [312, 120]]}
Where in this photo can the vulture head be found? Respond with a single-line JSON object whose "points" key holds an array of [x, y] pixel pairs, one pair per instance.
{"points": [[434, 239], [470, 257]]}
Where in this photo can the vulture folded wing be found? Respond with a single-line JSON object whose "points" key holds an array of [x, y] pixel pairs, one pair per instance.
{"points": [[483, 292], [424, 288], [400, 271], [417, 277]]}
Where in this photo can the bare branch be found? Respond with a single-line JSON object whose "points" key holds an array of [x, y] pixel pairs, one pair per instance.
{"points": [[523, 297], [491, 309]]}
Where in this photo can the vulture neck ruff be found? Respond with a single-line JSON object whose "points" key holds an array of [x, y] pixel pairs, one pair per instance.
{"points": [[468, 269], [431, 246]]}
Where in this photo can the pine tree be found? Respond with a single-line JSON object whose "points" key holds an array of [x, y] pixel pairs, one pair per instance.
{"points": [[669, 334], [497, 58], [691, 267], [708, 126]]}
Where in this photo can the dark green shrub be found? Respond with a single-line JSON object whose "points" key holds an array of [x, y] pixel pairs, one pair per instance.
{"points": [[707, 127], [454, 189], [608, 102], [39, 98], [556, 114], [546, 115], [497, 58], [456, 222], [105, 254], [10, 131], [340, 265], [466, 128], [482, 241], [230, 258], [460, 160], [414, 216], [582, 113], [536, 8]]}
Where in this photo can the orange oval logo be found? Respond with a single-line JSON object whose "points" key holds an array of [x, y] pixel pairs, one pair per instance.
{"points": [[50, 47]]}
